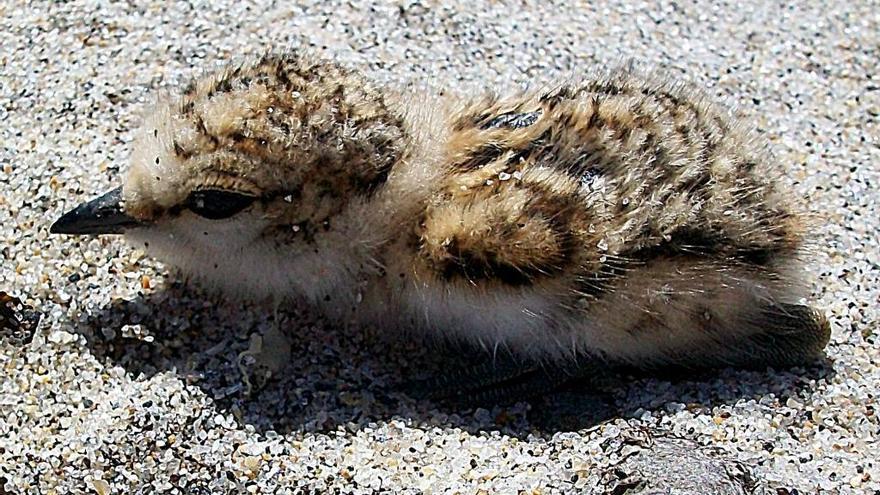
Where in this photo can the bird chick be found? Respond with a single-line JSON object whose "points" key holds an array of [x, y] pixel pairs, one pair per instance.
{"points": [[622, 218]]}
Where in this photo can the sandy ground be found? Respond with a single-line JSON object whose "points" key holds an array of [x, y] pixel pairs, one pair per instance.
{"points": [[132, 382]]}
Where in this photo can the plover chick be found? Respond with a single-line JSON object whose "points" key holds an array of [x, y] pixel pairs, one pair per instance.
{"points": [[621, 218]]}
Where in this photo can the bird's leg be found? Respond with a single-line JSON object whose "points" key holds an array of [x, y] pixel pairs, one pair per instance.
{"points": [[501, 380]]}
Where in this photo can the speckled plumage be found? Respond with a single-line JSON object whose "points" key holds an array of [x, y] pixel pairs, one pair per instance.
{"points": [[622, 217]]}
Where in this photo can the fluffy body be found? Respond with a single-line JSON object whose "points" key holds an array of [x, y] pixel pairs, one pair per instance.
{"points": [[620, 216]]}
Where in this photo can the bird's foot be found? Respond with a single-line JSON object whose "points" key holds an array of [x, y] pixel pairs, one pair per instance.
{"points": [[499, 381]]}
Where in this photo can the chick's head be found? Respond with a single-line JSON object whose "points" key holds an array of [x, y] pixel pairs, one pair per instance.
{"points": [[261, 154]]}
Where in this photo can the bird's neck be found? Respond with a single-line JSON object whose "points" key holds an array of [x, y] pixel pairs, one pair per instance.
{"points": [[372, 232]]}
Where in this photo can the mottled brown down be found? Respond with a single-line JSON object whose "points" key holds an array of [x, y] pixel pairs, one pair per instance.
{"points": [[619, 216]]}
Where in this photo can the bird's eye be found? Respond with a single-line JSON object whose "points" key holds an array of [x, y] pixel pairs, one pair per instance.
{"points": [[216, 204]]}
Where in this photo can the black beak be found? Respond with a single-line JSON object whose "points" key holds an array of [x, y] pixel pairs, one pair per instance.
{"points": [[102, 215]]}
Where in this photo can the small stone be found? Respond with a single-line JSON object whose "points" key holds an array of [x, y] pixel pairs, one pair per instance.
{"points": [[18, 321], [252, 463], [101, 487]]}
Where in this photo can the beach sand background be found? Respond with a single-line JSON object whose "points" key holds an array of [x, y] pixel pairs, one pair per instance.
{"points": [[133, 383]]}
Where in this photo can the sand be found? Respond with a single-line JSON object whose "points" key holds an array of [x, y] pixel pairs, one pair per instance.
{"points": [[134, 382]]}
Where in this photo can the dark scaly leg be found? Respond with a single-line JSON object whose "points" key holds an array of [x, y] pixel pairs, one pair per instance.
{"points": [[460, 381], [500, 381]]}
